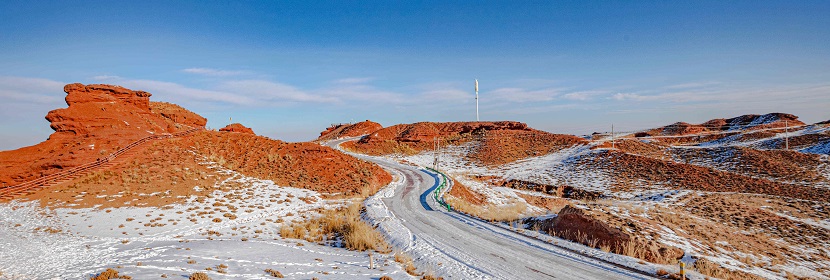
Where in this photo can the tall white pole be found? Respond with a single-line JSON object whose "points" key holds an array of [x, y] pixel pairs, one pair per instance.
{"points": [[477, 100]]}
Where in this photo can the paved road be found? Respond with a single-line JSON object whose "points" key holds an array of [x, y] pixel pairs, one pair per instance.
{"points": [[483, 249]]}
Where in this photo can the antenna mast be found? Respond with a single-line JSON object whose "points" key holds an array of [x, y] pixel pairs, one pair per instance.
{"points": [[477, 100]]}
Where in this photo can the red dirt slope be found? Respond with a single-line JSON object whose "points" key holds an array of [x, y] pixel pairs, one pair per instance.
{"points": [[349, 130], [99, 120], [302, 165]]}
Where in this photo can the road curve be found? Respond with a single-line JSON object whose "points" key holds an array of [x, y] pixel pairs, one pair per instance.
{"points": [[485, 251]]}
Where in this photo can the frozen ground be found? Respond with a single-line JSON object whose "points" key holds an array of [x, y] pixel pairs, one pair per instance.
{"points": [[230, 233]]}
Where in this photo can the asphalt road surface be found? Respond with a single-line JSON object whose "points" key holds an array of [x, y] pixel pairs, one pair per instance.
{"points": [[485, 250]]}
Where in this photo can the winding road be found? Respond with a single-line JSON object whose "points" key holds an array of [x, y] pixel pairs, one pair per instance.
{"points": [[472, 249]]}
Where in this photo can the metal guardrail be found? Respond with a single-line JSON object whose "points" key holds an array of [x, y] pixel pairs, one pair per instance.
{"points": [[437, 193], [45, 180]]}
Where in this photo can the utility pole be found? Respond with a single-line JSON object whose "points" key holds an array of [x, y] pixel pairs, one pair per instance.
{"points": [[477, 100], [787, 134], [436, 146], [612, 137]]}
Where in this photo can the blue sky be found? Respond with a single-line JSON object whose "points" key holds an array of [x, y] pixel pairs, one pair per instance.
{"points": [[288, 69]]}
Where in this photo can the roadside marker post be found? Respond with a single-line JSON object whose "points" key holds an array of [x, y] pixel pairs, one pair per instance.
{"points": [[682, 270]]}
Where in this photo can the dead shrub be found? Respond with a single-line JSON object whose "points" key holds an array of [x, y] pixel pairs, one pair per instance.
{"points": [[407, 263], [385, 278], [344, 223], [274, 273], [109, 274], [199, 276], [488, 212]]}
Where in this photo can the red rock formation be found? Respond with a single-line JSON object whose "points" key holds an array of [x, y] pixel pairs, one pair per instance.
{"points": [[237, 127], [349, 130], [100, 119]]}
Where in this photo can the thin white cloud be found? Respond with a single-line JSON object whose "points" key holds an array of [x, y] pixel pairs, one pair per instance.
{"points": [[272, 91], [584, 95], [522, 95], [213, 72], [691, 85], [356, 80]]}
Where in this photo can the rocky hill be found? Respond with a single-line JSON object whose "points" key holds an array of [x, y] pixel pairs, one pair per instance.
{"points": [[99, 120]]}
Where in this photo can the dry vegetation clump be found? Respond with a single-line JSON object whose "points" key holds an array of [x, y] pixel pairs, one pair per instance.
{"points": [[274, 273], [109, 274], [199, 276], [301, 165], [343, 223], [407, 263], [385, 277], [711, 269], [489, 212]]}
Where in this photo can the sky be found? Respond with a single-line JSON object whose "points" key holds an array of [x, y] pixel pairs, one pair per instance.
{"points": [[289, 69]]}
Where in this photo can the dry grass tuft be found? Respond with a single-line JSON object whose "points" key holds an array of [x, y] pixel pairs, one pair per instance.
{"points": [[109, 274], [488, 212], [709, 268], [407, 263], [274, 273], [342, 223], [385, 278], [199, 276]]}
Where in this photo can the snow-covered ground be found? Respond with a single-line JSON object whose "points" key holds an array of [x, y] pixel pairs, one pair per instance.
{"points": [[229, 233]]}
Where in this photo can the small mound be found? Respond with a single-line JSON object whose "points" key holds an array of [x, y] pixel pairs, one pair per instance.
{"points": [[237, 127], [337, 131]]}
